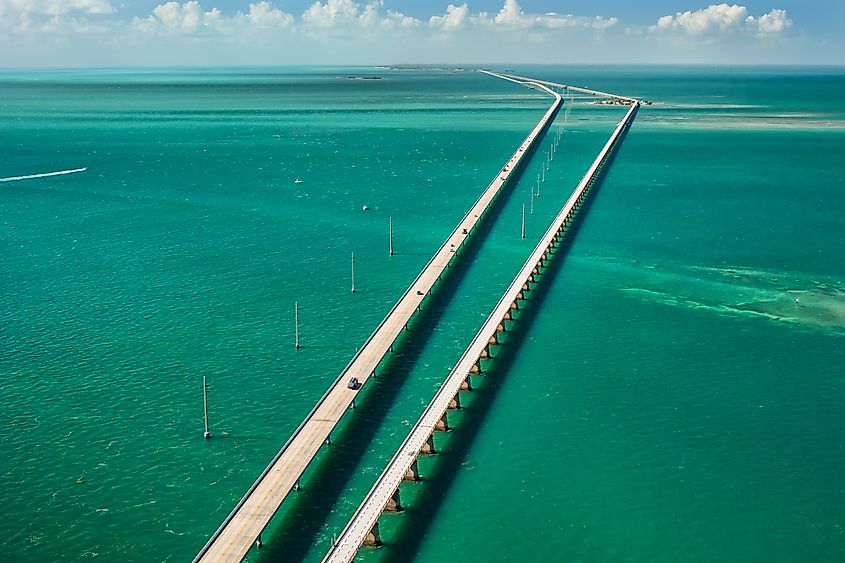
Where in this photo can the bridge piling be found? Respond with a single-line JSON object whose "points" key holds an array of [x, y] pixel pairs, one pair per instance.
{"points": [[442, 423], [394, 503], [428, 447], [373, 537], [413, 473], [455, 403]]}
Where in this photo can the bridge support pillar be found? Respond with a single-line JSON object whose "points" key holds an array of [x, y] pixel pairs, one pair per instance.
{"points": [[428, 447], [373, 539], [442, 424], [455, 403], [413, 473], [394, 503], [466, 384], [476, 367]]}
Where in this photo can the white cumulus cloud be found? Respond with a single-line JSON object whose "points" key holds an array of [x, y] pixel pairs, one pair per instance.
{"points": [[175, 16], [401, 20], [456, 17], [719, 17], [264, 14], [773, 23], [512, 16], [723, 18], [348, 14], [332, 13], [191, 17]]}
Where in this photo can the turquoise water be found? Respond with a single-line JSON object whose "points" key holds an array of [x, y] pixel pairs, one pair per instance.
{"points": [[675, 392]]}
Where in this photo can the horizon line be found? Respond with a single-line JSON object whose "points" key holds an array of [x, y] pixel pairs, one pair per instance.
{"points": [[422, 66]]}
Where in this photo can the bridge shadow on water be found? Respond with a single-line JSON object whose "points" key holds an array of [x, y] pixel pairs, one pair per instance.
{"points": [[404, 536], [302, 516]]}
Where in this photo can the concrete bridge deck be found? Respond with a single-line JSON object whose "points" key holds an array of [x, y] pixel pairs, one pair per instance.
{"points": [[598, 93], [243, 526], [384, 495]]}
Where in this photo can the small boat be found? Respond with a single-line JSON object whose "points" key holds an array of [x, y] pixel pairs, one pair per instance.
{"points": [[366, 208], [297, 181]]}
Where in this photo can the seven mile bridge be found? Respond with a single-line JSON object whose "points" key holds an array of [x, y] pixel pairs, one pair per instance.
{"points": [[242, 528]]}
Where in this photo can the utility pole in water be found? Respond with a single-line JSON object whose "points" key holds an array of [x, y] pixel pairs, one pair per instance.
{"points": [[205, 434], [296, 323], [523, 220]]}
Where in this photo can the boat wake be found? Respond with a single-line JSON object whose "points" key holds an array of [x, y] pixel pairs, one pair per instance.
{"points": [[43, 175]]}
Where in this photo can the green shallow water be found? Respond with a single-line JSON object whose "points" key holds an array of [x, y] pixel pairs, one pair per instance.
{"points": [[675, 392]]}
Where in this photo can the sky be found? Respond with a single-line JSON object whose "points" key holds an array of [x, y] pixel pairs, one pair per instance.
{"points": [[94, 33]]}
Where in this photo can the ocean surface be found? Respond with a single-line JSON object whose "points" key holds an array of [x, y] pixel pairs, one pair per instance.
{"points": [[674, 392]]}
